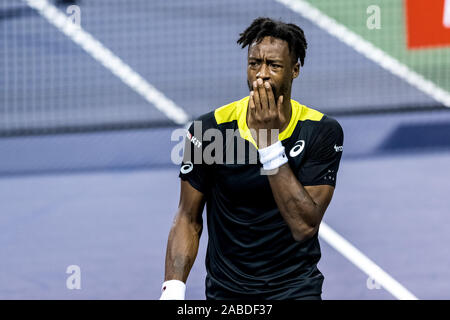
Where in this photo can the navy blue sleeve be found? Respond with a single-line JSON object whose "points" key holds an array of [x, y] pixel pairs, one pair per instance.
{"points": [[324, 155]]}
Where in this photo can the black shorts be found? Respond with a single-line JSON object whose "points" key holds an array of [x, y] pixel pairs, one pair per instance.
{"points": [[216, 292], [259, 297]]}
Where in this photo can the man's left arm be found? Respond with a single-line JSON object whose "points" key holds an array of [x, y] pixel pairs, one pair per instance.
{"points": [[302, 197], [302, 207]]}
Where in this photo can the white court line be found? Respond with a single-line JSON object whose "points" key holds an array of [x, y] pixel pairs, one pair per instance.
{"points": [[109, 60], [364, 263], [368, 50]]}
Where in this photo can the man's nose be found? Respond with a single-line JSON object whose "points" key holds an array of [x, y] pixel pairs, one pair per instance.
{"points": [[263, 72]]}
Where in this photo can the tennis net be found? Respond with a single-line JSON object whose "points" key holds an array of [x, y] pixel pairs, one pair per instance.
{"points": [[141, 64]]}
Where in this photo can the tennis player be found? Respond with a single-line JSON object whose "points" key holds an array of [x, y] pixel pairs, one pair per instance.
{"points": [[263, 214]]}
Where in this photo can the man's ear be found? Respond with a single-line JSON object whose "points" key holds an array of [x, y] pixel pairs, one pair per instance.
{"points": [[295, 70]]}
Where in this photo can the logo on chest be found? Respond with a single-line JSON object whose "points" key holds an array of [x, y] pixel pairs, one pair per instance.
{"points": [[297, 148]]}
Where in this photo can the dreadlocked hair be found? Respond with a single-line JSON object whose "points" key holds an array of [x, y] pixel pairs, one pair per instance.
{"points": [[263, 27]]}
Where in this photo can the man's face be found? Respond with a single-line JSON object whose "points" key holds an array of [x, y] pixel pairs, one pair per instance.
{"points": [[270, 60]]}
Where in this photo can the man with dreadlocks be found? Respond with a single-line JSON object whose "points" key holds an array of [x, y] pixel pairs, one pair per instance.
{"points": [[262, 222]]}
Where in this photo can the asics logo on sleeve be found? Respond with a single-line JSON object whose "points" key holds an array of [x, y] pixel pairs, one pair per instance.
{"points": [[297, 148], [187, 167]]}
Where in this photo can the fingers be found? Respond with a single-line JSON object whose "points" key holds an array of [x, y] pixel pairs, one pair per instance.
{"points": [[280, 108], [270, 97], [251, 103], [280, 103], [256, 97], [263, 102], [263, 95]]}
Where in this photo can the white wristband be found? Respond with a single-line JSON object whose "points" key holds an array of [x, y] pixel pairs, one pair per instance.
{"points": [[173, 290], [273, 156]]}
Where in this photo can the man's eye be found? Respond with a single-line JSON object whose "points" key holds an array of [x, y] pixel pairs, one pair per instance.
{"points": [[276, 66], [252, 64]]}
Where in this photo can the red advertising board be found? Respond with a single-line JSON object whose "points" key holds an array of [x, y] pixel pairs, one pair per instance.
{"points": [[427, 23]]}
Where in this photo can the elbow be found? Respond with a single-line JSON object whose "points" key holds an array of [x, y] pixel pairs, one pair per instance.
{"points": [[305, 233]]}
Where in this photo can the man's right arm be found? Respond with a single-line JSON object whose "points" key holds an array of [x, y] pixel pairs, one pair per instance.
{"points": [[184, 236]]}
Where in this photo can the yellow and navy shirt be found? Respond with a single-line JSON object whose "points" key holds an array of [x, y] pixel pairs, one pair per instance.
{"points": [[251, 251]]}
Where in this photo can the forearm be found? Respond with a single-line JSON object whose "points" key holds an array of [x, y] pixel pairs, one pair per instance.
{"points": [[296, 205], [182, 248]]}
